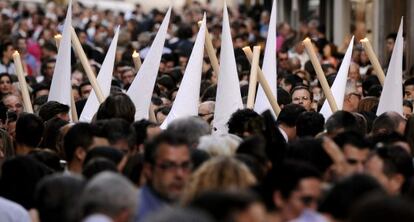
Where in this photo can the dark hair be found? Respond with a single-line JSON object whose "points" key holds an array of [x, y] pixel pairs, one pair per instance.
{"points": [[383, 209], [109, 153], [141, 127], [115, 130], [50, 109], [80, 135], [352, 138], [286, 183], [342, 197], [51, 133], [244, 120], [290, 114], [309, 124], [118, 105], [57, 196], [96, 166], [166, 137], [396, 160], [283, 97], [311, 151], [409, 82], [387, 122], [341, 120], [29, 130], [84, 83], [19, 178]]}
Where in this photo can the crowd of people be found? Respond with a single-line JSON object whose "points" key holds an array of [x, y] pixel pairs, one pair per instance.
{"points": [[354, 166]]}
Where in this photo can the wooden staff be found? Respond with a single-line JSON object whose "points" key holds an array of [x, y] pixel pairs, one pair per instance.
{"points": [[86, 66], [253, 78], [73, 112], [137, 60], [374, 60], [263, 82], [321, 76], [22, 81], [210, 51]]}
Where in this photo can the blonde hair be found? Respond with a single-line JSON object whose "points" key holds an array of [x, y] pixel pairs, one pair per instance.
{"points": [[218, 173]]}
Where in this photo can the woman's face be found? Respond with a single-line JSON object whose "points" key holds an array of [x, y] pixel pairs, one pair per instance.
{"points": [[5, 85]]}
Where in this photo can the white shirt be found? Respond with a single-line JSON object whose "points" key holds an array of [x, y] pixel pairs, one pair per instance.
{"points": [[284, 134], [12, 212]]}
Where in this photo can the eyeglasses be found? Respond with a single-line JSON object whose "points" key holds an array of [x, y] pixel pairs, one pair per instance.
{"points": [[304, 98], [170, 166]]}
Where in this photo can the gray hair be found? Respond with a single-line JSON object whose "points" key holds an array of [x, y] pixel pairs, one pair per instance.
{"points": [[109, 193], [191, 127]]}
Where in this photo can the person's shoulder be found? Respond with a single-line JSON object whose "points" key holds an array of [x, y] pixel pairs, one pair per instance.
{"points": [[11, 211]]}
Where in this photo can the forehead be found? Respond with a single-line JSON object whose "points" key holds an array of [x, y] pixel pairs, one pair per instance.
{"points": [[409, 87], [172, 152], [300, 92]]}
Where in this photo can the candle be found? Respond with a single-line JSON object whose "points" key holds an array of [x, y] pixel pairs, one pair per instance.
{"points": [[86, 66], [58, 38], [23, 84], [253, 77], [263, 82], [210, 51], [137, 60], [319, 73], [374, 60]]}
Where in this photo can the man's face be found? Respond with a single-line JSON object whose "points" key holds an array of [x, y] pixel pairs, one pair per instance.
{"points": [[355, 157], [353, 101], [409, 92], [21, 45], [9, 52], [13, 103], [127, 77], [50, 67], [305, 197], [171, 170], [85, 91], [407, 112], [302, 97], [204, 112], [390, 45], [283, 61], [375, 168]]}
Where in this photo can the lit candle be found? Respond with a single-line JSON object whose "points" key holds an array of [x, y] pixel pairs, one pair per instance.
{"points": [[374, 60], [137, 60]]}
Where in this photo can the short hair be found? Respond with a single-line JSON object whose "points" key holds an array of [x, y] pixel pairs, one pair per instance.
{"points": [[109, 153], [352, 138], [80, 135], [283, 97], [96, 166], [52, 108], [191, 128], [383, 209], [165, 137], [387, 122], [29, 130], [309, 124], [19, 178], [141, 127], [51, 133], [396, 160], [309, 150], [342, 197], [116, 129], [118, 105], [290, 114], [286, 183], [302, 88], [409, 104], [245, 120], [108, 193], [409, 82], [341, 120], [56, 197]]}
